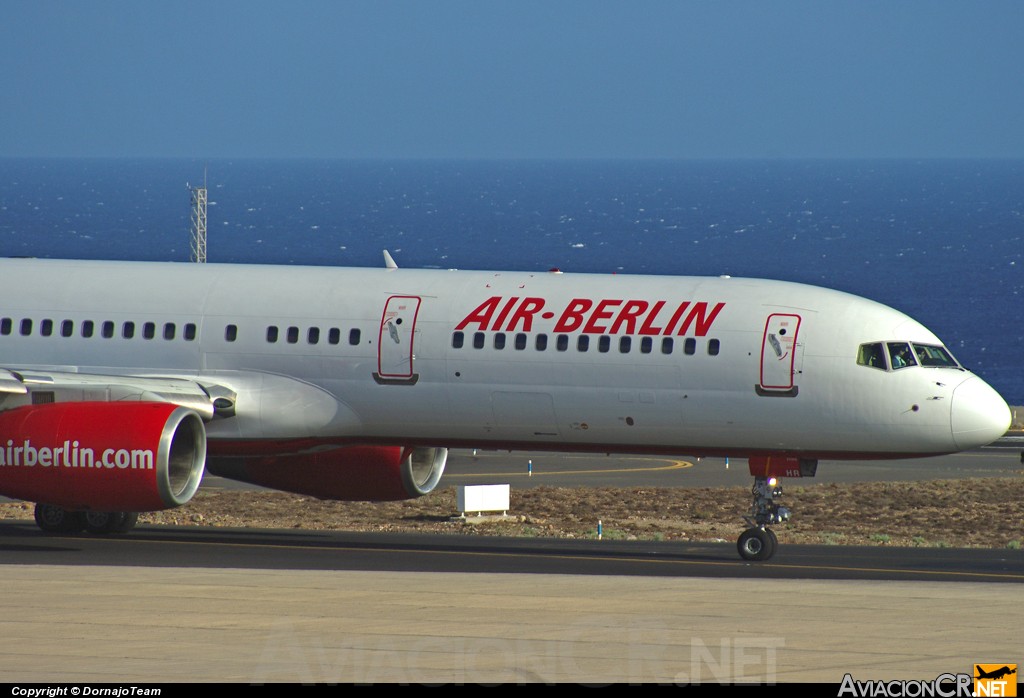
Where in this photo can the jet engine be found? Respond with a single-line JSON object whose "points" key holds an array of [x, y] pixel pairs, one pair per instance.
{"points": [[102, 456], [346, 473]]}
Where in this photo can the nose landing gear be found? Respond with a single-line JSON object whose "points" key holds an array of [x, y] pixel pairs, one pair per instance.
{"points": [[759, 543]]}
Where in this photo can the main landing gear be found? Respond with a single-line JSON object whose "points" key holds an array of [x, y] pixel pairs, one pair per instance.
{"points": [[54, 519], [758, 543]]}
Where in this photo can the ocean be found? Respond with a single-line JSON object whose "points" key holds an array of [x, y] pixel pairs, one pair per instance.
{"points": [[938, 239]]}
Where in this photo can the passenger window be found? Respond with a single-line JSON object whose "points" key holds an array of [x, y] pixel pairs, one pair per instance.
{"points": [[272, 334], [353, 337], [520, 341], [900, 355], [127, 329], [190, 331], [690, 346], [871, 355], [583, 343], [625, 344], [334, 336], [169, 330], [499, 340], [108, 329], [293, 335], [666, 345], [313, 335], [457, 340], [5, 326], [231, 333], [562, 343], [87, 328], [26, 327], [478, 340], [542, 342], [714, 346], [646, 344], [604, 343], [46, 328], [67, 328], [148, 330]]}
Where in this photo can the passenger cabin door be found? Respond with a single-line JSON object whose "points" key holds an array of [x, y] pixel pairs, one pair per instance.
{"points": [[778, 355], [396, 340]]}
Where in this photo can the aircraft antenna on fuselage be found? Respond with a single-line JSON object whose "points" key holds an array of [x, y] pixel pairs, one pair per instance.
{"points": [[389, 261]]}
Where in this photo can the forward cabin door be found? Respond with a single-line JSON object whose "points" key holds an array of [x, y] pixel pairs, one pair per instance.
{"points": [[779, 347], [396, 339]]}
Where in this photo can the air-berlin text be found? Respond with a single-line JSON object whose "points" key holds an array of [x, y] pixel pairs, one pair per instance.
{"points": [[605, 316], [71, 455]]}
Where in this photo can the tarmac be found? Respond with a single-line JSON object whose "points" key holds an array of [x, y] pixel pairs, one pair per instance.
{"points": [[136, 625]]}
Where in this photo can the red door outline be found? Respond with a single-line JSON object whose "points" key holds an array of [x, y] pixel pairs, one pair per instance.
{"points": [[396, 339], [778, 351]]}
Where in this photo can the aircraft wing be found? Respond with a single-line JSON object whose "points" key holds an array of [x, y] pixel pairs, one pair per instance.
{"points": [[41, 386]]}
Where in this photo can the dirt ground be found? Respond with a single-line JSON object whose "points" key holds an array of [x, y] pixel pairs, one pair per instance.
{"points": [[984, 512]]}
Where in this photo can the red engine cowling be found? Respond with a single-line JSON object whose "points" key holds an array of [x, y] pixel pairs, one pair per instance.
{"points": [[102, 456], [346, 473]]}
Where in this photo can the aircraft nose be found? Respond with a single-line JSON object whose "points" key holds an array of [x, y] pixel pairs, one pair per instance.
{"points": [[978, 415]]}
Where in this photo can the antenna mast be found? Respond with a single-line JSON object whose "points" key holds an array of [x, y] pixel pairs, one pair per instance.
{"points": [[199, 222]]}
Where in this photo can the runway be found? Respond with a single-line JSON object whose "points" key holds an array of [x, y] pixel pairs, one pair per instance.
{"points": [[210, 548]]}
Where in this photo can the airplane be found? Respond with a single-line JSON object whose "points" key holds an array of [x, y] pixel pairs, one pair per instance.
{"points": [[995, 674], [121, 382]]}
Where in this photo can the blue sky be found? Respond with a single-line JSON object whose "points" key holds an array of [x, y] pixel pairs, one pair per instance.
{"points": [[520, 79]]}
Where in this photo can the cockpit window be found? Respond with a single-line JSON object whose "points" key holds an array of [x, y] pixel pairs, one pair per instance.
{"points": [[930, 355], [896, 355], [900, 355], [871, 355]]}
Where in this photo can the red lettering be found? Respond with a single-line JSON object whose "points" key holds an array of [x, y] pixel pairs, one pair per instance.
{"points": [[648, 325], [600, 314], [634, 317], [504, 313], [704, 322], [675, 317], [525, 312], [482, 315], [572, 316], [628, 316]]}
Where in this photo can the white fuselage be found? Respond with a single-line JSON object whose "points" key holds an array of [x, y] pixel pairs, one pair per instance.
{"points": [[332, 356]]}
